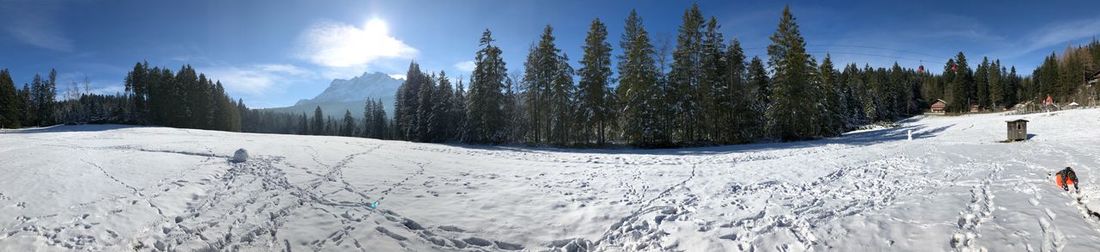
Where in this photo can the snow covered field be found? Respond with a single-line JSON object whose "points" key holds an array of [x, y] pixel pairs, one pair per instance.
{"points": [[951, 188]]}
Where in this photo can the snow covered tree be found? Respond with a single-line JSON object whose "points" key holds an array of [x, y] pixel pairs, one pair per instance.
{"points": [[684, 78], [713, 85], [484, 119], [444, 109], [540, 71], [426, 124], [638, 91], [759, 81], [736, 99], [594, 96]]}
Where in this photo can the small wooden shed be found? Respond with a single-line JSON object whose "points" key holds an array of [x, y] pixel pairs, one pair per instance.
{"points": [[1017, 130], [938, 107]]}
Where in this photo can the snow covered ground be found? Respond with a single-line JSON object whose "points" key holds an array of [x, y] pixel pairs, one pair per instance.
{"points": [[954, 187]]}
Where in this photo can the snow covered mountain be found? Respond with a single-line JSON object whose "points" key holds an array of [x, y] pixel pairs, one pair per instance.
{"points": [[954, 187], [350, 94]]}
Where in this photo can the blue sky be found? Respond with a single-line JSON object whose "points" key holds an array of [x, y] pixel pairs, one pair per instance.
{"points": [[272, 53]]}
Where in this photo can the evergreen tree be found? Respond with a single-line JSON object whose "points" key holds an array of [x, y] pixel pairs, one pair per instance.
{"points": [[560, 100], [737, 99], [684, 76], [713, 85], [830, 107], [349, 124], [484, 118], [981, 83], [9, 102], [460, 111], [593, 96], [425, 114], [792, 115], [444, 109], [540, 72], [637, 90], [318, 126], [996, 86], [759, 81], [406, 104]]}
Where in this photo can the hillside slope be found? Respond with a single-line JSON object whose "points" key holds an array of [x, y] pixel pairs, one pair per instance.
{"points": [[953, 187]]}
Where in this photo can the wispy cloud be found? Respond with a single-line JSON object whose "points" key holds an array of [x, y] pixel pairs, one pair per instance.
{"points": [[34, 23], [334, 44], [1059, 34], [257, 79], [465, 66]]}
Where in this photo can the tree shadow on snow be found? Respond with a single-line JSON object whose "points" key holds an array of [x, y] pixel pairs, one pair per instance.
{"points": [[67, 128], [861, 138]]}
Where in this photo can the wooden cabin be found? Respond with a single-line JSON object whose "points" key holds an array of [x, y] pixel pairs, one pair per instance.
{"points": [[938, 107], [1017, 130]]}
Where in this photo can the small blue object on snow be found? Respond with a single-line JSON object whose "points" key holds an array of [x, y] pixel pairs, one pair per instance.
{"points": [[373, 205]]}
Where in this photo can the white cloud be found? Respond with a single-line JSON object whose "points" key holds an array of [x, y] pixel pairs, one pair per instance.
{"points": [[398, 76], [465, 66], [256, 79], [334, 44]]}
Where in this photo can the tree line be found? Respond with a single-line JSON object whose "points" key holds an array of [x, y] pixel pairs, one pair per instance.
{"points": [[708, 92]]}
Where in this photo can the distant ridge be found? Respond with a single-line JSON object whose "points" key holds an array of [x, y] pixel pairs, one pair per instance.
{"points": [[349, 94]]}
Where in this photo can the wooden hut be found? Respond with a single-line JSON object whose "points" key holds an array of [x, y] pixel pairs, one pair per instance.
{"points": [[1017, 130], [938, 107]]}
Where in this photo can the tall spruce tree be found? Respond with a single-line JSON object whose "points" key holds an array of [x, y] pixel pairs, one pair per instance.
{"points": [[9, 102], [318, 126], [713, 85], [759, 81], [637, 91], [792, 115], [484, 119], [594, 97], [684, 78]]}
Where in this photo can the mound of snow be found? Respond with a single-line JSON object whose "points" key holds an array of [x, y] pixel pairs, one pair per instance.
{"points": [[239, 156]]}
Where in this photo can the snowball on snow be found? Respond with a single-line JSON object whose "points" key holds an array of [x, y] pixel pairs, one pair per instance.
{"points": [[240, 155]]}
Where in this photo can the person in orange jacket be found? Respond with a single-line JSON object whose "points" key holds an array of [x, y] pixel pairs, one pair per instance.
{"points": [[1066, 177]]}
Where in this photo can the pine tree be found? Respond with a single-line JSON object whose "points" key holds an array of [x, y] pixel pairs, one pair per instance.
{"points": [[594, 97], [425, 114], [349, 124], [713, 85], [759, 81], [792, 115], [560, 100], [684, 77], [540, 71], [444, 109], [981, 83], [637, 90], [830, 96], [460, 111], [9, 102], [736, 98], [996, 86], [484, 118], [406, 104], [318, 126]]}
